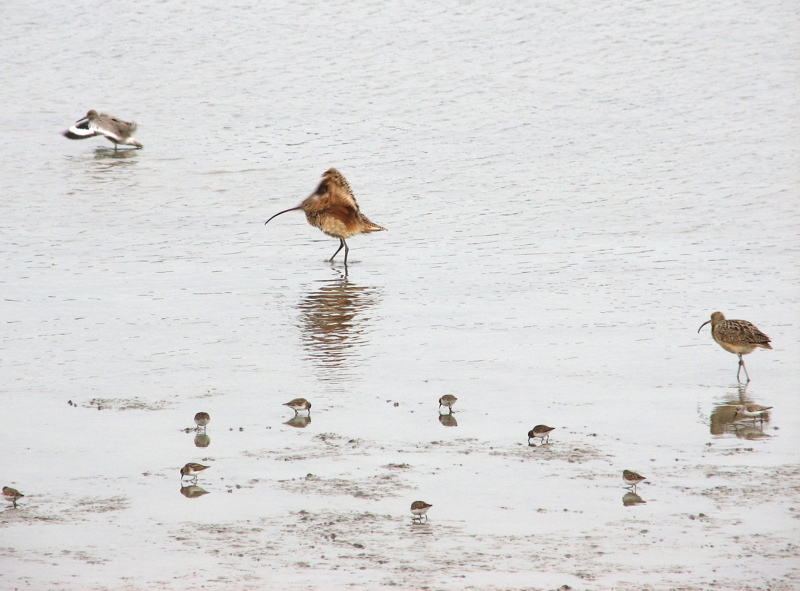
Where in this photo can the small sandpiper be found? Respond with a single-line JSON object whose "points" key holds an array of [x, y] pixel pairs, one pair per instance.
{"points": [[540, 431], [201, 419], [447, 400], [114, 130], [192, 470], [632, 478], [420, 508], [750, 411], [12, 495], [299, 404]]}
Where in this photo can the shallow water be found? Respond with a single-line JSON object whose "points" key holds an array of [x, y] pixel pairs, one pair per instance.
{"points": [[569, 192]]}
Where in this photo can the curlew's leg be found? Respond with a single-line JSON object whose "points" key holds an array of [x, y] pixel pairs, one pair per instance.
{"points": [[341, 246], [346, 250], [742, 366]]}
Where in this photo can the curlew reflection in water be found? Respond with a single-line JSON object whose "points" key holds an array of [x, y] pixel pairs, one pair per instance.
{"points": [[334, 322]]}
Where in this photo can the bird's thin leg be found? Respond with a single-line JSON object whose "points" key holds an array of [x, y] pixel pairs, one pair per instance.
{"points": [[346, 250], [742, 366], [341, 245]]}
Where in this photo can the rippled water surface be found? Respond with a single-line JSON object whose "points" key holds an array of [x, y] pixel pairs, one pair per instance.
{"points": [[570, 191]]}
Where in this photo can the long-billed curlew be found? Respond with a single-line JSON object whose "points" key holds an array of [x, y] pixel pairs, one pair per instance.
{"points": [[333, 209], [739, 337], [114, 130]]}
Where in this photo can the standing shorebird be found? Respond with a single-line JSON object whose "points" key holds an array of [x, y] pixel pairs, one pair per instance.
{"points": [[540, 431], [333, 209], [12, 495], [750, 411], [201, 419], [114, 130], [192, 470], [447, 400], [632, 478], [299, 404], [420, 508], [736, 336]]}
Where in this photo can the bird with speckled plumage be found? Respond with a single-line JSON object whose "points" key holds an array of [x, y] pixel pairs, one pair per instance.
{"points": [[739, 337]]}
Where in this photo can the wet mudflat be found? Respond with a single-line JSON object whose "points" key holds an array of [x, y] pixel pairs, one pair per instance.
{"points": [[570, 193]]}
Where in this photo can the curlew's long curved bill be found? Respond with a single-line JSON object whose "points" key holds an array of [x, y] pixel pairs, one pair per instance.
{"points": [[698, 330], [280, 212]]}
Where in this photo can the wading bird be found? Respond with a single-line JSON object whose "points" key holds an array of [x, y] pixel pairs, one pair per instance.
{"points": [[739, 337], [632, 478], [420, 508], [192, 470], [114, 130], [540, 431], [12, 495], [447, 400], [333, 209]]}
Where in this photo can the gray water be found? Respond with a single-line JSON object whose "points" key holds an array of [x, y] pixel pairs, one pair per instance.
{"points": [[570, 190]]}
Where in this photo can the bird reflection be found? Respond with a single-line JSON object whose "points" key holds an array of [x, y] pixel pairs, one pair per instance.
{"points": [[732, 414], [750, 432], [103, 153], [193, 491], [630, 499], [202, 440], [333, 324], [448, 420], [299, 421]]}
